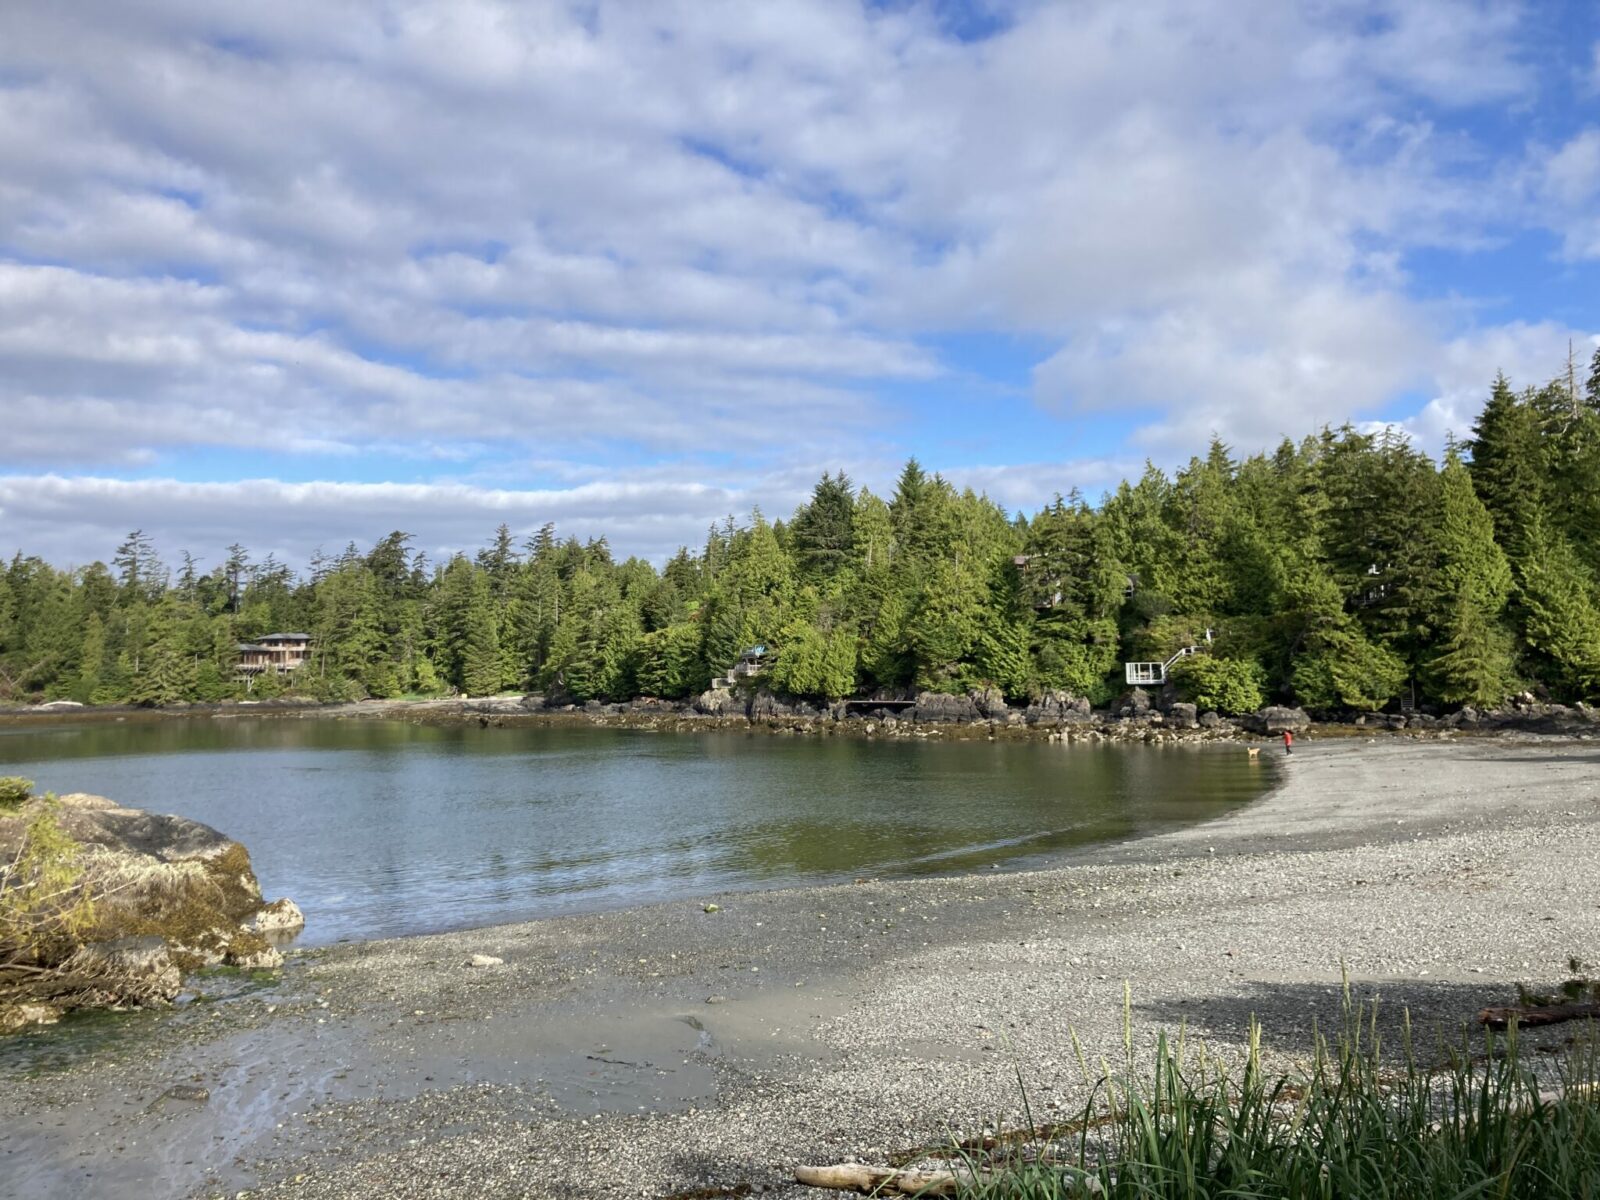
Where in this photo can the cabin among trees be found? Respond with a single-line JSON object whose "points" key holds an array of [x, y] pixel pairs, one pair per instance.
{"points": [[279, 653]]}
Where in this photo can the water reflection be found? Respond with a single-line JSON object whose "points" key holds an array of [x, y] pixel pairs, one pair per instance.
{"points": [[381, 828]]}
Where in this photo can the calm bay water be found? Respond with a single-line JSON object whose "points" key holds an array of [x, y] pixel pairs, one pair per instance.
{"points": [[383, 828]]}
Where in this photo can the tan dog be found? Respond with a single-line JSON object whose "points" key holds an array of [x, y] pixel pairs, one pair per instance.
{"points": [[1253, 751]]}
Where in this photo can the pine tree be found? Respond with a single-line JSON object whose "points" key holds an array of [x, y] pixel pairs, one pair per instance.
{"points": [[824, 530], [499, 561], [945, 628], [91, 660], [798, 667], [165, 674], [1335, 664], [1562, 621], [1508, 467], [885, 653], [478, 647], [670, 665], [839, 655], [1473, 652], [142, 577]]}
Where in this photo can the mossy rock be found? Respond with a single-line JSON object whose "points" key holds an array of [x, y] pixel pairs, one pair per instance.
{"points": [[155, 877]]}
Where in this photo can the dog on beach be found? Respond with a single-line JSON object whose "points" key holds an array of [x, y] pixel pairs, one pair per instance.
{"points": [[1253, 751]]}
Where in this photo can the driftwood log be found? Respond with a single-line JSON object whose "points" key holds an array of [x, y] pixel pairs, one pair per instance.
{"points": [[1545, 1014], [879, 1181]]}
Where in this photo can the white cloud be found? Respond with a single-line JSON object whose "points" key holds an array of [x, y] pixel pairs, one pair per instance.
{"points": [[81, 519], [441, 225], [1528, 355], [1276, 365], [1568, 191]]}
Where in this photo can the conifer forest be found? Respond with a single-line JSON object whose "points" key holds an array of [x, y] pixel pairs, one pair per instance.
{"points": [[1337, 573]]}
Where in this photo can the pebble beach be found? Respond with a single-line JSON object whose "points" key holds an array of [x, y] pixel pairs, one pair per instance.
{"points": [[706, 1049]]}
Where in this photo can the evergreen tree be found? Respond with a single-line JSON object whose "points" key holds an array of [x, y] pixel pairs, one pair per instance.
{"points": [[477, 643], [824, 529], [499, 561], [945, 628], [1508, 467], [1562, 622], [91, 661], [1472, 659], [670, 665], [141, 575], [164, 675]]}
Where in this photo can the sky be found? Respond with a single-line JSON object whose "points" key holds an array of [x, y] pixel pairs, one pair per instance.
{"points": [[298, 274]]}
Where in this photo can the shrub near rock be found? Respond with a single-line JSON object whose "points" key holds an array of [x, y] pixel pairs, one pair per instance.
{"points": [[14, 791]]}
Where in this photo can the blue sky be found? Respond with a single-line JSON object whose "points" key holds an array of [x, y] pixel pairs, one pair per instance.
{"points": [[299, 274]]}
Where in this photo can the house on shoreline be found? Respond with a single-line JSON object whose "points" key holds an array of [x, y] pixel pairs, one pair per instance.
{"points": [[280, 653]]}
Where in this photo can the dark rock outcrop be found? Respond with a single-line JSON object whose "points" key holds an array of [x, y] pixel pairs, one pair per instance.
{"points": [[169, 894], [718, 702], [1184, 715], [1276, 719], [938, 708], [769, 706], [1057, 707], [991, 703]]}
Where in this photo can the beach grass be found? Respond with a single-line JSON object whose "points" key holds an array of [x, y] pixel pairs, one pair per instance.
{"points": [[1488, 1119]]}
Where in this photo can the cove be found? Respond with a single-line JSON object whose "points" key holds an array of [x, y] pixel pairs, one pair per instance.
{"points": [[383, 828]]}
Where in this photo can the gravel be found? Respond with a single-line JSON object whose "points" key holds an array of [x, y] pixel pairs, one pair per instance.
{"points": [[659, 1051]]}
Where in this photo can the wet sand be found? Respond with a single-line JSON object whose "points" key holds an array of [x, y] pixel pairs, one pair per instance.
{"points": [[657, 1051]]}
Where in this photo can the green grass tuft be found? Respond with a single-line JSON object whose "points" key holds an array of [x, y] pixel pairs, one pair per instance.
{"points": [[1357, 1123]]}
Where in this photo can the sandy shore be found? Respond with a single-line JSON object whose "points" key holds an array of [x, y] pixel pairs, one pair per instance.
{"points": [[658, 1051]]}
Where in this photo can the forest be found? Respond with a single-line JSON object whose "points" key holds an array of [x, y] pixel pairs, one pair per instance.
{"points": [[1339, 573]]}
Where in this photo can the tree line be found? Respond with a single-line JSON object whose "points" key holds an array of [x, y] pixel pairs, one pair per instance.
{"points": [[1338, 573]]}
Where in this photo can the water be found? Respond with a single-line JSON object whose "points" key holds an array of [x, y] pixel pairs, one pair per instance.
{"points": [[383, 828]]}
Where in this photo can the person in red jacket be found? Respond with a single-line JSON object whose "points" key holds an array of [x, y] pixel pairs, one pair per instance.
{"points": [[1288, 742]]}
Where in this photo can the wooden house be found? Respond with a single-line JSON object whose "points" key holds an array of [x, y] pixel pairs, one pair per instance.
{"points": [[280, 652]]}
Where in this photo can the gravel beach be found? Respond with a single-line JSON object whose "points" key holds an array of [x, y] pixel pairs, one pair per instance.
{"points": [[672, 1051]]}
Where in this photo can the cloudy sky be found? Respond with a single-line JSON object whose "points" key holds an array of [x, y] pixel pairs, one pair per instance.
{"points": [[305, 272]]}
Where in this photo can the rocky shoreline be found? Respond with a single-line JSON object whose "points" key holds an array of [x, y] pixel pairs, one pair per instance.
{"points": [[1058, 716], [1138, 715], [706, 1048]]}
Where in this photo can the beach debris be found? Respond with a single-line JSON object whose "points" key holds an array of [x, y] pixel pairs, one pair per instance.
{"points": [[880, 1181], [485, 960], [711, 908], [1539, 1014], [188, 1092]]}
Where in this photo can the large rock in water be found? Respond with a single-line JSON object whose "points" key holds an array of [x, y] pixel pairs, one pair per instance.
{"points": [[170, 894]]}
